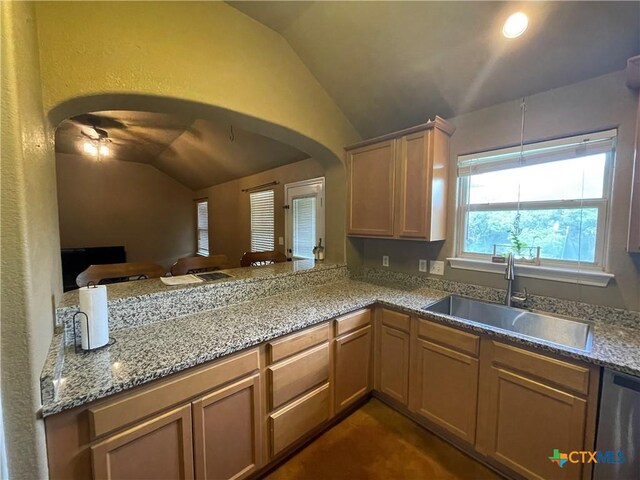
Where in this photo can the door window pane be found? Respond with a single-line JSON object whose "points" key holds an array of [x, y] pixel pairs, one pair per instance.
{"points": [[304, 226]]}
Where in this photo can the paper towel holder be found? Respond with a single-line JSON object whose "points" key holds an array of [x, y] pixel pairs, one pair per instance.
{"points": [[78, 347]]}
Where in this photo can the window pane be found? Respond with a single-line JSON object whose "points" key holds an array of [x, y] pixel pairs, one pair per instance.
{"points": [[262, 223], [304, 227], [203, 227], [577, 178], [563, 234]]}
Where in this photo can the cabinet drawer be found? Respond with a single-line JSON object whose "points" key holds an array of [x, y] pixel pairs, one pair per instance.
{"points": [[450, 337], [111, 416], [292, 344], [301, 417], [352, 321], [567, 375], [298, 374], [397, 320]]}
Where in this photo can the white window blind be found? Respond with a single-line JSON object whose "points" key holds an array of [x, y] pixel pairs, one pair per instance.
{"points": [[202, 209], [262, 223], [304, 226], [537, 153]]}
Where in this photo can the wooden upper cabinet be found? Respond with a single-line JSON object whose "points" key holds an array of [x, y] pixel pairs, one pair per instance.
{"points": [[160, 448], [397, 184], [371, 189]]}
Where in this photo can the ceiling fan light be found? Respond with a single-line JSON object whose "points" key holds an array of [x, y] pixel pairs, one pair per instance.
{"points": [[515, 25], [89, 148], [104, 151]]}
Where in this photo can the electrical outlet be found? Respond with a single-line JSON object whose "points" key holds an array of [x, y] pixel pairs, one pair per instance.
{"points": [[280, 240], [385, 260], [436, 267], [422, 265]]}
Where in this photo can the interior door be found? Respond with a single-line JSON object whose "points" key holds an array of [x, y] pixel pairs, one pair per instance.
{"points": [[304, 217]]}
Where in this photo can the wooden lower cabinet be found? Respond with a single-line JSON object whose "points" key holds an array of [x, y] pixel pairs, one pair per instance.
{"points": [[525, 415], [227, 431], [160, 448], [445, 389], [294, 421], [393, 364], [352, 367]]}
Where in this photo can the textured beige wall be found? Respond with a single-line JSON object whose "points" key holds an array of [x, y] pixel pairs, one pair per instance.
{"points": [[594, 104], [114, 202], [30, 273], [230, 213]]}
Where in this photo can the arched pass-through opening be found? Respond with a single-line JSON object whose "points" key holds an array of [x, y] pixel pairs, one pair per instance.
{"points": [[149, 103], [331, 161]]}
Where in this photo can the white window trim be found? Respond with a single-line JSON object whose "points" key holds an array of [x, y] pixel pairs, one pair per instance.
{"points": [[592, 278], [585, 273], [320, 227]]}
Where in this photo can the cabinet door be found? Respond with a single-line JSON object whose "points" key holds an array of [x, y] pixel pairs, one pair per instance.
{"points": [[415, 180], [423, 160], [446, 390], [526, 420], [371, 189], [227, 431], [160, 448], [352, 367], [394, 364]]}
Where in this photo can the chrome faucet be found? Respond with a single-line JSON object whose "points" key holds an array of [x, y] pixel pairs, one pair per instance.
{"points": [[510, 275]]}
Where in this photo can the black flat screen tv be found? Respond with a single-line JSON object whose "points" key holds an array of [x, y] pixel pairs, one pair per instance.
{"points": [[77, 260]]}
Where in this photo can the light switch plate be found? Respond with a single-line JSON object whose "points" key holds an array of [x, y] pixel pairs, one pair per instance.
{"points": [[280, 240], [385, 260], [422, 265], [436, 267]]}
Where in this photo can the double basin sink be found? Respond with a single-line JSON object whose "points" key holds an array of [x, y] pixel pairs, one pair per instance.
{"points": [[550, 328]]}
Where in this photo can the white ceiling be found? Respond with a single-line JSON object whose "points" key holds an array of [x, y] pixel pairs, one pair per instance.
{"points": [[198, 153], [390, 65]]}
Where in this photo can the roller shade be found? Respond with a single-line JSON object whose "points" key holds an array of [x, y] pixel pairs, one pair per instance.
{"points": [[536, 153], [262, 222], [203, 227]]}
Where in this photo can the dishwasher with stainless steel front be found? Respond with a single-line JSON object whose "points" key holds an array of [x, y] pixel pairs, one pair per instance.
{"points": [[619, 428]]}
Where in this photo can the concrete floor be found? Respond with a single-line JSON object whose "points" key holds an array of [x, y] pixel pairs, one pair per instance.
{"points": [[376, 442]]}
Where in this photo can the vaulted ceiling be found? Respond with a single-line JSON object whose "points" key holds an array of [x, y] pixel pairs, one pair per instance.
{"points": [[198, 153], [390, 65]]}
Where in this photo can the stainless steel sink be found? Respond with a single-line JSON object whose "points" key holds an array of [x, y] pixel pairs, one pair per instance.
{"points": [[562, 331]]}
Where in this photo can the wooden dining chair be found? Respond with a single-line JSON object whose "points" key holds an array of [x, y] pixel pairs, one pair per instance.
{"points": [[187, 265], [257, 259], [118, 272]]}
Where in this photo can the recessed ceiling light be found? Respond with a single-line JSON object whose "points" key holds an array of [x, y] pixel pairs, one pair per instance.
{"points": [[515, 25]]}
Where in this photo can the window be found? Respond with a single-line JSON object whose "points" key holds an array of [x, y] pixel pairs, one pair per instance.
{"points": [[262, 229], [202, 211], [304, 226], [554, 196]]}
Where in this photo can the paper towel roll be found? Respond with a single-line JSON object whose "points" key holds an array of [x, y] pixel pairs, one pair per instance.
{"points": [[94, 329]]}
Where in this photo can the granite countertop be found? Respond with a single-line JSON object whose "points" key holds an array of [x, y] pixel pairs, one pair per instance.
{"points": [[152, 351], [120, 291]]}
